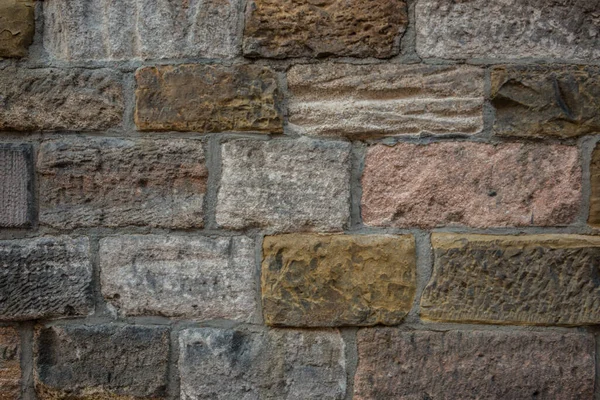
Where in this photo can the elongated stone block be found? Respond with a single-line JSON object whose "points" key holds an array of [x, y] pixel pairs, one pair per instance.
{"points": [[594, 217], [16, 186], [337, 280], [385, 99], [10, 363], [17, 26]]}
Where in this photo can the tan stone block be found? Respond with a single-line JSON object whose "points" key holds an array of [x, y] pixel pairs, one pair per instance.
{"points": [[10, 364], [17, 27]]}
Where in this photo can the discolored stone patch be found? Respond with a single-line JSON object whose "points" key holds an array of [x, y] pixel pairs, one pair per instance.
{"points": [[16, 186], [10, 363], [313, 280], [594, 217], [17, 26]]}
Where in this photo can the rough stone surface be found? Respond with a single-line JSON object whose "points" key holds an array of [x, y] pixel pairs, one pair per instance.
{"points": [[385, 99], [473, 365], [509, 29], [306, 28], [534, 279], [111, 182], [336, 280], [16, 176], [472, 184], [45, 277], [10, 364], [17, 27], [55, 100], [594, 218], [220, 364], [285, 185], [111, 362], [538, 101], [141, 29], [180, 276], [208, 98]]}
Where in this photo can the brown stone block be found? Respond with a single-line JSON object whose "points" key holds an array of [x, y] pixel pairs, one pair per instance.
{"points": [[594, 218], [17, 26], [10, 364]]}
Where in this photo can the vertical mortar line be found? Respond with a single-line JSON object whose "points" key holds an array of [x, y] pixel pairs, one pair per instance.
{"points": [[597, 381], [489, 113], [27, 360], [424, 255], [213, 163], [586, 148], [129, 101], [408, 41], [351, 356], [258, 255], [33, 196], [100, 306], [173, 380], [357, 165]]}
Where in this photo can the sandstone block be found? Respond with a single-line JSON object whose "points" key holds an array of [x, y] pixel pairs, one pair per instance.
{"points": [[473, 365], [17, 26], [101, 362], [86, 182], [208, 98], [10, 364], [472, 184], [508, 29], [45, 277], [385, 99], [16, 181], [594, 217], [286, 185], [180, 276], [141, 29], [305, 28], [220, 364], [335, 280]]}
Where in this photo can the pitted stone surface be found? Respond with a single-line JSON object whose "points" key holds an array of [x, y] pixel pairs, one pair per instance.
{"points": [[385, 99], [10, 364], [60, 100], [594, 217], [223, 364], [533, 279], [473, 365], [180, 276], [208, 98], [335, 280], [17, 27], [86, 182], [509, 29], [16, 175], [287, 185], [106, 362], [472, 184], [306, 28], [141, 29], [45, 277]]}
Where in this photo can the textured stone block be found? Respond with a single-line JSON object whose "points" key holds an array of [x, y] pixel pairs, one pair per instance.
{"points": [[45, 277], [10, 364], [17, 27], [87, 182], [16, 181], [305, 28], [508, 29], [287, 185], [472, 184], [220, 364], [473, 365], [534, 279], [101, 362], [208, 98], [180, 276], [385, 99], [336, 280], [141, 29], [594, 217]]}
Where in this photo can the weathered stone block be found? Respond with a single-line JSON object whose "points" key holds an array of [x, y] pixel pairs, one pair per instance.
{"points": [[335, 280], [141, 29], [10, 364], [473, 365], [385, 99], [180, 276], [101, 362], [472, 184], [222, 364], [208, 98], [305, 28], [17, 27], [287, 185], [534, 279], [508, 29], [111, 182], [16, 180], [45, 277], [594, 217]]}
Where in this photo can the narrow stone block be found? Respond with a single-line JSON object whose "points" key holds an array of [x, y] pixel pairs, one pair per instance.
{"points": [[10, 364], [17, 26], [16, 186], [594, 217]]}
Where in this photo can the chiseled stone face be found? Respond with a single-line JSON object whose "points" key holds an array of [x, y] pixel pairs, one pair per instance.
{"points": [[387, 99], [335, 280], [86, 182], [305, 28], [472, 184], [180, 276], [533, 279], [208, 98], [17, 26], [223, 364], [16, 176], [393, 364], [594, 218], [508, 29], [10, 363]]}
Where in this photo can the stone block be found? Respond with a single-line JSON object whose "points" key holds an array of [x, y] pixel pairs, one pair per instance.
{"points": [[17, 27], [10, 363], [16, 186]]}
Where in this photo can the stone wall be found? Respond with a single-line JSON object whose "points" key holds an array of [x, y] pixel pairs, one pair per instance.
{"points": [[298, 199]]}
